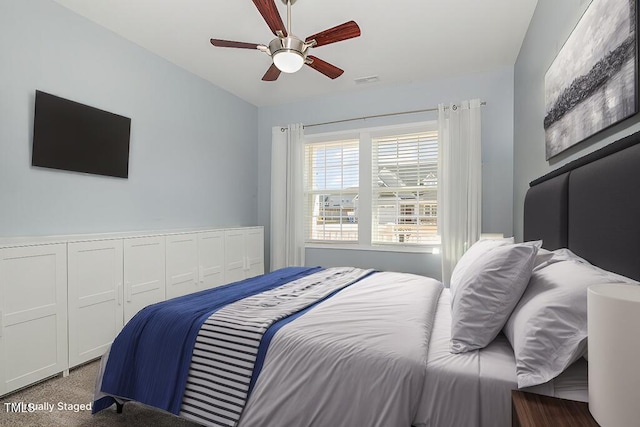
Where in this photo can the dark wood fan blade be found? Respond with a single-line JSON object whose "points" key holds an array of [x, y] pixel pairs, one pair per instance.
{"points": [[272, 74], [269, 12], [324, 67], [345, 31], [227, 43]]}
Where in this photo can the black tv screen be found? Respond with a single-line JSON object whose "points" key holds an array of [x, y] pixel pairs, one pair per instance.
{"points": [[75, 137]]}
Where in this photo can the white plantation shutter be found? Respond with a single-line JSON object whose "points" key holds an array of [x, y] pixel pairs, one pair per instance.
{"points": [[405, 189], [331, 190]]}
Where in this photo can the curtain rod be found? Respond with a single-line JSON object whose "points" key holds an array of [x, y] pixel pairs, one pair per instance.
{"points": [[380, 115]]}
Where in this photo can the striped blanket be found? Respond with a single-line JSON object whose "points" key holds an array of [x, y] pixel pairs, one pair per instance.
{"points": [[226, 350]]}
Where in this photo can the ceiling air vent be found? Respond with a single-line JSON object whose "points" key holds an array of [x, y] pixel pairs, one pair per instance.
{"points": [[369, 79]]}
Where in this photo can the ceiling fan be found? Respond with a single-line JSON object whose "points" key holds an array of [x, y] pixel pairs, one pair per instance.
{"points": [[289, 53]]}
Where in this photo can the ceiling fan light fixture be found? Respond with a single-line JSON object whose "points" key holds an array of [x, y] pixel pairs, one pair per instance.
{"points": [[288, 61], [287, 53]]}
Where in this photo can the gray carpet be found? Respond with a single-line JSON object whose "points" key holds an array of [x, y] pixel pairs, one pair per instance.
{"points": [[77, 389]]}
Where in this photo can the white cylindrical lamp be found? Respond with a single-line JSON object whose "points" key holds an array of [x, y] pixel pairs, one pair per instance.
{"points": [[614, 354]]}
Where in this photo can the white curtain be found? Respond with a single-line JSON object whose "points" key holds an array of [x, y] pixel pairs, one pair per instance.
{"points": [[459, 181], [287, 232]]}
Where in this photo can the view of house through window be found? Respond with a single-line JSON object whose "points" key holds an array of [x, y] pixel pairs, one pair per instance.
{"points": [[405, 189], [331, 184], [396, 204]]}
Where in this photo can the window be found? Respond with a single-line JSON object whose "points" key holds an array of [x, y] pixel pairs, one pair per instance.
{"points": [[331, 190], [373, 187], [405, 189]]}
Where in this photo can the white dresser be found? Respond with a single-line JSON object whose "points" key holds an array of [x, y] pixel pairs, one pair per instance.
{"points": [[63, 299]]}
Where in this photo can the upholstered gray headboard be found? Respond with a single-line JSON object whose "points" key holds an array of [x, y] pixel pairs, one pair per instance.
{"points": [[591, 206]]}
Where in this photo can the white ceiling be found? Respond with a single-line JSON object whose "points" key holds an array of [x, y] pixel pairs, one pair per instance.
{"points": [[401, 42]]}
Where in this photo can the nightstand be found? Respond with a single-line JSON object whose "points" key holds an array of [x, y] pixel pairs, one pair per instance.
{"points": [[534, 410]]}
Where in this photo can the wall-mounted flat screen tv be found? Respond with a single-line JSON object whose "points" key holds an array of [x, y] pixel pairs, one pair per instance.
{"points": [[71, 136]]}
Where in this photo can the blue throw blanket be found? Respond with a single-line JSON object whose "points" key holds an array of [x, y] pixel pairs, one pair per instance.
{"points": [[149, 360]]}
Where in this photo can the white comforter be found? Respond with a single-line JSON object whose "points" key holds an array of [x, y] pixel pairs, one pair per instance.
{"points": [[357, 359]]}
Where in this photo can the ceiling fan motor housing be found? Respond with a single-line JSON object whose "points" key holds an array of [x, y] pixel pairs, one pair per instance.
{"points": [[288, 44]]}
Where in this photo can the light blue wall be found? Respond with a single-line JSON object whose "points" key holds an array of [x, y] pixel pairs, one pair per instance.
{"points": [[193, 158], [551, 25], [495, 87]]}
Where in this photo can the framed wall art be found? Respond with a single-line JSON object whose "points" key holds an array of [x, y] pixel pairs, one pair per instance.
{"points": [[592, 83]]}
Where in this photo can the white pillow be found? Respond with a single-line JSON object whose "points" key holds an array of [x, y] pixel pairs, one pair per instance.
{"points": [[487, 293], [548, 327], [542, 258], [476, 250], [551, 257]]}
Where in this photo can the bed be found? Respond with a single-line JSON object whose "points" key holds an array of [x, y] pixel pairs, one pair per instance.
{"points": [[376, 348]]}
